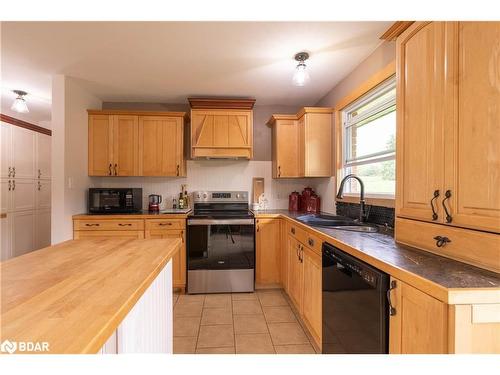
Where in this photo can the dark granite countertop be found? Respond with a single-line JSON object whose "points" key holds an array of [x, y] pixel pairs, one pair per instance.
{"points": [[443, 271]]}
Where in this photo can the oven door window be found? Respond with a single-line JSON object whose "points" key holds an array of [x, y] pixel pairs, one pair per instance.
{"points": [[220, 247]]}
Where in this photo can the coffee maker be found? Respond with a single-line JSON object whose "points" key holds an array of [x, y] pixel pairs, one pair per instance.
{"points": [[154, 202]]}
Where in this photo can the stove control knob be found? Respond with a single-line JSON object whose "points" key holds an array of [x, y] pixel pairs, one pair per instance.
{"points": [[198, 195], [237, 195], [244, 196], [205, 195]]}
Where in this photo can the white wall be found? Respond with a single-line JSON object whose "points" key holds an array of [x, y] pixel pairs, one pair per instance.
{"points": [[213, 175], [70, 179]]}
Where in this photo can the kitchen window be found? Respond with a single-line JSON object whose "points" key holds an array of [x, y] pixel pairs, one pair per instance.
{"points": [[369, 128]]}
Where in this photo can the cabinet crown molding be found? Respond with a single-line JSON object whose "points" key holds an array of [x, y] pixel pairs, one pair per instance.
{"points": [[301, 112], [222, 103], [126, 112]]}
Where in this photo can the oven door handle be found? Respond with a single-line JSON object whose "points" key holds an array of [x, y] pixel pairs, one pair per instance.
{"points": [[221, 222]]}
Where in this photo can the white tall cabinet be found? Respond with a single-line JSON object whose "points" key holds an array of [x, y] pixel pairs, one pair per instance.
{"points": [[25, 190]]}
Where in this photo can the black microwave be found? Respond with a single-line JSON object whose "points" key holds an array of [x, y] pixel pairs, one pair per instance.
{"points": [[115, 200]]}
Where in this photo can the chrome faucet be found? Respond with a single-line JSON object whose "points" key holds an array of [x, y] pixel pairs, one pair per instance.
{"points": [[362, 208]]}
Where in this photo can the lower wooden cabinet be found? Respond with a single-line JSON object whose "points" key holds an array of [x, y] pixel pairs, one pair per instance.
{"points": [[419, 323], [312, 293], [295, 273], [77, 235], [179, 259], [267, 253]]}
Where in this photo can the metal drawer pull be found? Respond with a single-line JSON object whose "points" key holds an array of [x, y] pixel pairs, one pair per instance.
{"points": [[109, 173], [292, 230], [434, 214], [163, 224], [92, 225], [116, 173], [10, 172], [13, 171], [310, 241], [441, 241], [13, 185], [125, 225], [392, 309], [10, 185], [447, 196]]}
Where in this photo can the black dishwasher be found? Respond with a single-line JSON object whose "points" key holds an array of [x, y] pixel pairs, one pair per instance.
{"points": [[355, 307]]}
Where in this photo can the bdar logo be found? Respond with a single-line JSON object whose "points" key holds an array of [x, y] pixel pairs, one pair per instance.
{"points": [[8, 347]]}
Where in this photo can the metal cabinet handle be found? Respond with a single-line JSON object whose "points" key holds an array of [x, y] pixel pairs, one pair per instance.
{"points": [[310, 241], [116, 173], [392, 309], [10, 172], [10, 185], [13, 185], [447, 195], [39, 186], [301, 254], [292, 230], [178, 170], [13, 171], [109, 173], [279, 171], [182, 236], [441, 241], [163, 224], [124, 224], [257, 228], [39, 173], [92, 225], [434, 214]]}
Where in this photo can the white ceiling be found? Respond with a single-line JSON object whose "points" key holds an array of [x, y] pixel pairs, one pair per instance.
{"points": [[169, 61]]}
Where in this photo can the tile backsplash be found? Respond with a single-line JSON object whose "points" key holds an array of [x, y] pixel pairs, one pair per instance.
{"points": [[213, 175], [376, 214]]}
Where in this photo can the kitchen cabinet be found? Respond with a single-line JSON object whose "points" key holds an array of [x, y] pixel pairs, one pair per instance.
{"points": [[295, 273], [23, 152], [268, 253], [419, 323], [221, 128], [23, 195], [43, 194], [179, 260], [108, 234], [43, 156], [161, 151], [312, 299], [303, 143], [128, 143], [5, 236], [5, 150], [42, 228], [22, 232], [448, 138]]}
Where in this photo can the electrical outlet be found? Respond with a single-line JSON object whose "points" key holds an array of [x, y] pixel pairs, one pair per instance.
{"points": [[70, 182]]}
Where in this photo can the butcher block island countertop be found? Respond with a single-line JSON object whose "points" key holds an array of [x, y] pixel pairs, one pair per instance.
{"points": [[75, 294]]}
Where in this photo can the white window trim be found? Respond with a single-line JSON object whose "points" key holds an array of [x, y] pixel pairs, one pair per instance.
{"points": [[388, 84]]}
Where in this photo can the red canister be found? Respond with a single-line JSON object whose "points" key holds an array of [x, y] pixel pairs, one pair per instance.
{"points": [[294, 201], [314, 204]]}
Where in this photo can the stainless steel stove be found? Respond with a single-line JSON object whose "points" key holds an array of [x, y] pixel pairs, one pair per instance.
{"points": [[220, 243]]}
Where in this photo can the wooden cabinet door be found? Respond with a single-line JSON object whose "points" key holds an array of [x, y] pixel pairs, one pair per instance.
{"points": [[268, 249], [161, 141], [100, 145], [23, 232], [419, 325], [42, 229], [286, 143], [132, 234], [473, 135], [23, 195], [295, 273], [179, 260], [125, 145], [43, 194], [43, 152], [23, 152], [421, 109], [318, 152], [5, 236], [5, 196], [5, 150], [312, 313]]}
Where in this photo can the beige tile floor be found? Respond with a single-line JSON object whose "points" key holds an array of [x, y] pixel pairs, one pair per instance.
{"points": [[243, 323]]}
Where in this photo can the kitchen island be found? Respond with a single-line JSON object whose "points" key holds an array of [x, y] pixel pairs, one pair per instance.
{"points": [[90, 296]]}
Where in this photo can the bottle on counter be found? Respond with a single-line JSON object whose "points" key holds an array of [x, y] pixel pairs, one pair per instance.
{"points": [[174, 203], [186, 199], [181, 201]]}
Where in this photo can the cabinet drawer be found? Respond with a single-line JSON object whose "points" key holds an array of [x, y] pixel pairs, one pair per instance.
{"points": [[296, 232], [305, 237], [312, 242], [469, 246], [93, 225], [152, 224], [132, 234]]}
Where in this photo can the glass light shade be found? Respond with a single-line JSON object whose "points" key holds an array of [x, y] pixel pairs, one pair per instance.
{"points": [[19, 105], [301, 77]]}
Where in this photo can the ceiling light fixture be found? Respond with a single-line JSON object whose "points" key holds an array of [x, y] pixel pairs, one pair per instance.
{"points": [[301, 77], [19, 104]]}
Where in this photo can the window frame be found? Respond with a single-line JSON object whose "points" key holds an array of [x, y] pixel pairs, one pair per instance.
{"points": [[363, 93]]}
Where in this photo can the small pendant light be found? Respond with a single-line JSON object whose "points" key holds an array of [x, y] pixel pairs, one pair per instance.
{"points": [[301, 76], [19, 104]]}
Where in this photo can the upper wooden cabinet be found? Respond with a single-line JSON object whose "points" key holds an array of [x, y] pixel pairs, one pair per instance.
{"points": [[302, 143], [448, 133], [125, 143], [221, 128]]}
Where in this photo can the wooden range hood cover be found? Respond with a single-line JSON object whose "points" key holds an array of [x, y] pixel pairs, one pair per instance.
{"points": [[217, 103]]}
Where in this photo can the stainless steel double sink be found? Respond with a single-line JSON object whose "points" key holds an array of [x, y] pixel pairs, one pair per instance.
{"points": [[336, 222]]}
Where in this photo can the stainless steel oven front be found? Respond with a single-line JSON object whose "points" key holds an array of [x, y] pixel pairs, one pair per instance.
{"points": [[220, 255]]}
